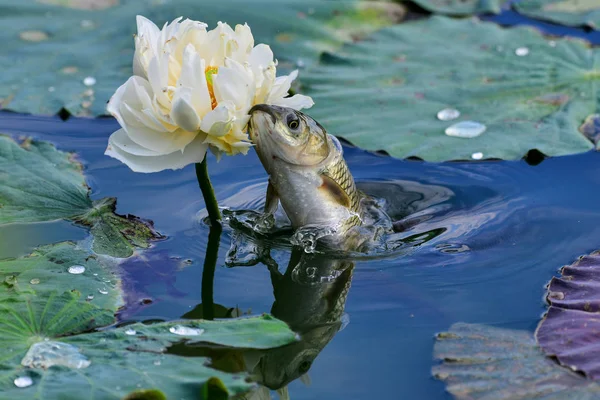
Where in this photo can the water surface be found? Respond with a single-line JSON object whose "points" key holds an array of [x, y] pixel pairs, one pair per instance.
{"points": [[507, 228]]}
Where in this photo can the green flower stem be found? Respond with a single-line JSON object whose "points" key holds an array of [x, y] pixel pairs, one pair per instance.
{"points": [[208, 193], [208, 271]]}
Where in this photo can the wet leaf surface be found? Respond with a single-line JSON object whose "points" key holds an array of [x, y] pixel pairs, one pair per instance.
{"points": [[484, 362], [87, 53], [40, 183], [571, 327], [386, 93], [564, 12]]}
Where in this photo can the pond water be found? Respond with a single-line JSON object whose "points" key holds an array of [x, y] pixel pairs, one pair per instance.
{"points": [[507, 228], [502, 230]]}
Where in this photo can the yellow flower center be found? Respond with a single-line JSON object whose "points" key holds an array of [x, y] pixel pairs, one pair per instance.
{"points": [[209, 72]]}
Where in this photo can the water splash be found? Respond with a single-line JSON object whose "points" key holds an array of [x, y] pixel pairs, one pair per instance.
{"points": [[245, 252], [251, 220], [308, 236], [50, 353]]}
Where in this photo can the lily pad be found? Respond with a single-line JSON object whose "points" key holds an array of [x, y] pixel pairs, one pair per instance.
{"points": [[63, 266], [40, 183], [112, 363], [48, 308], [569, 331], [75, 44], [564, 12], [484, 362], [385, 93], [461, 7]]}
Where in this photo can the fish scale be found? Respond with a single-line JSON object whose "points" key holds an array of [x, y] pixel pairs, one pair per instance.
{"points": [[339, 172]]}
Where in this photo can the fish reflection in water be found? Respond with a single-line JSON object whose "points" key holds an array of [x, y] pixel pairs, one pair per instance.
{"points": [[310, 297]]}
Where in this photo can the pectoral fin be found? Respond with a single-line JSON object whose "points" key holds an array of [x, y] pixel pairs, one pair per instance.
{"points": [[335, 191], [272, 200]]}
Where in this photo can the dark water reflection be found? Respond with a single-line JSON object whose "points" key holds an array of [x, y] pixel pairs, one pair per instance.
{"points": [[506, 227]]}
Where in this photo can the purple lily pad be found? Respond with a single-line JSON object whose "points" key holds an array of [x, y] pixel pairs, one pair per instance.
{"points": [[570, 331], [480, 362]]}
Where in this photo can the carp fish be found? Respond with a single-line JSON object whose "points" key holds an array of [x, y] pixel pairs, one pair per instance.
{"points": [[307, 171]]}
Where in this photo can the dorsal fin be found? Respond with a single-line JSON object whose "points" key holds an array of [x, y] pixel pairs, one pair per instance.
{"points": [[335, 191]]}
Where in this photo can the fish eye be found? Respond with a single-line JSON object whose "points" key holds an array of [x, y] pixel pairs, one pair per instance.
{"points": [[304, 367], [293, 122]]}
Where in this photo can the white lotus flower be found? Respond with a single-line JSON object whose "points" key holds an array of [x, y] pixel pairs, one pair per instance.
{"points": [[191, 91]]}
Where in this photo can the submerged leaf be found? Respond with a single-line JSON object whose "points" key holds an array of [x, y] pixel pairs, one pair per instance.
{"points": [[114, 234], [87, 55], [564, 12], [385, 93], [484, 362], [569, 331], [40, 183]]}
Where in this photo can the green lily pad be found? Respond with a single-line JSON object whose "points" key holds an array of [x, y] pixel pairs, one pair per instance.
{"points": [[73, 44], [63, 266], [51, 300], [385, 93], [461, 7], [564, 12], [484, 362], [113, 363], [40, 183]]}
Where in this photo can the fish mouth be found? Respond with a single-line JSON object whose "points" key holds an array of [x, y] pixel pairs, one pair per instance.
{"points": [[262, 119], [264, 108]]}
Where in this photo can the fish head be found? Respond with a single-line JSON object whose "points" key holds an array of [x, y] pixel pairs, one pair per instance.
{"points": [[276, 368], [288, 135]]}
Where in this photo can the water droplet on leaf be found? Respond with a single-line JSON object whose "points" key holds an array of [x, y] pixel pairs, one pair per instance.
{"points": [[477, 156], [466, 129], [50, 353], [86, 23], [522, 51], [448, 114], [185, 330], [34, 281], [76, 269], [103, 291], [130, 332], [34, 36], [23, 382], [89, 81]]}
